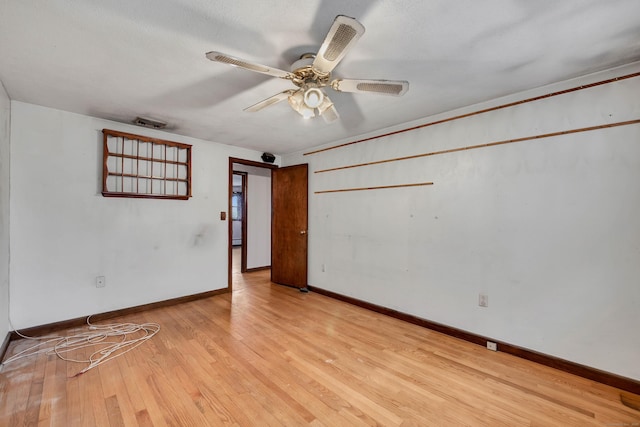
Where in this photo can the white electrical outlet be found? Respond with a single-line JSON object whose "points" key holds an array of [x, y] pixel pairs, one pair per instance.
{"points": [[483, 300], [100, 282], [492, 346]]}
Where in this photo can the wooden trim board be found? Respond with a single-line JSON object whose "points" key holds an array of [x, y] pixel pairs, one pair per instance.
{"points": [[593, 374], [254, 269], [418, 184]]}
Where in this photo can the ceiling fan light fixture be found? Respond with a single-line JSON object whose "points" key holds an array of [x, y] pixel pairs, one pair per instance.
{"points": [[307, 113], [295, 100], [328, 111], [313, 97], [298, 104], [326, 103]]}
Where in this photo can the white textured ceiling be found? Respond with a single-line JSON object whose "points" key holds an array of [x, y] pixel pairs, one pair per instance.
{"points": [[118, 59]]}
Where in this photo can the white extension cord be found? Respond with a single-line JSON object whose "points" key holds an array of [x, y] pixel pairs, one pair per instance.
{"points": [[99, 336]]}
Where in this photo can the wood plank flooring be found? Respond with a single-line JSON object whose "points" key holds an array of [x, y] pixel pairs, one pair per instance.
{"points": [[268, 355]]}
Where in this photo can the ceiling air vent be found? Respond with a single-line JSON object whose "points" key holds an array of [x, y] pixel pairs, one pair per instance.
{"points": [[149, 123]]}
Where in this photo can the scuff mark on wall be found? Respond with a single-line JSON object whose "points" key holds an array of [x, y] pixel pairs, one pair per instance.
{"points": [[203, 236]]}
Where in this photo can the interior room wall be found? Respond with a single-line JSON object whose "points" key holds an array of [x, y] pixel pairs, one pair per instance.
{"points": [[64, 233], [258, 215], [547, 228], [5, 133]]}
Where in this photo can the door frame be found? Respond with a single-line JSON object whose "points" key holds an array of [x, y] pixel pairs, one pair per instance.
{"points": [[243, 221], [232, 161]]}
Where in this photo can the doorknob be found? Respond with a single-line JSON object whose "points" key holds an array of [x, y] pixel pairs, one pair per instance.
{"points": [[303, 232]]}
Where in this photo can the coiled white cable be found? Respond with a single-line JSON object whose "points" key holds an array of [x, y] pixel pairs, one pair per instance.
{"points": [[108, 349]]}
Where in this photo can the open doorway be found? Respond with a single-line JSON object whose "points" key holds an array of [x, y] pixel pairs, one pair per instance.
{"points": [[249, 217]]}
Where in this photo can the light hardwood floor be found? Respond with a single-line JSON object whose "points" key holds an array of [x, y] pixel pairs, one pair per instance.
{"points": [[268, 355]]}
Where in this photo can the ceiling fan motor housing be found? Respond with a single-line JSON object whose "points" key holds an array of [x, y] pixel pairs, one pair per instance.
{"points": [[305, 61], [304, 75]]}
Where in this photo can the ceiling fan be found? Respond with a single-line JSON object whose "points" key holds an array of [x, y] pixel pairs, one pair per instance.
{"points": [[312, 73]]}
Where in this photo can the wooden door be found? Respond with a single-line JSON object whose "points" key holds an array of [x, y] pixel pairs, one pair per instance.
{"points": [[289, 221]]}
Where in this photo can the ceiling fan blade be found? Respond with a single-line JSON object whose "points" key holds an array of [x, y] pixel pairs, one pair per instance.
{"points": [[248, 65], [328, 111], [270, 101], [382, 87], [342, 35]]}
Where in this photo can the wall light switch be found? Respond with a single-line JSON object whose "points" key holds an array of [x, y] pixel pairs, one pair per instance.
{"points": [[223, 216]]}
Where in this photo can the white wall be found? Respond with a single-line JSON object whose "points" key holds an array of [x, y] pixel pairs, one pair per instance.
{"points": [[5, 133], [548, 228], [258, 215], [64, 233]]}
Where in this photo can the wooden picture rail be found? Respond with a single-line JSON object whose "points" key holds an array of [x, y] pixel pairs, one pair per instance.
{"points": [[486, 110], [490, 144], [342, 190]]}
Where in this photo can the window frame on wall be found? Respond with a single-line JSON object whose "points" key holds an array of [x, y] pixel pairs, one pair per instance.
{"points": [[162, 171]]}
